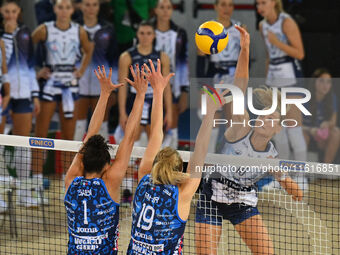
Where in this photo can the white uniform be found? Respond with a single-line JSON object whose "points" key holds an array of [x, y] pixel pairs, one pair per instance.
{"points": [[238, 187], [225, 62], [20, 64], [283, 70], [174, 43], [63, 49]]}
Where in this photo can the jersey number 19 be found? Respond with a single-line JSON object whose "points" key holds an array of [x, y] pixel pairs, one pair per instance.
{"points": [[147, 220]]}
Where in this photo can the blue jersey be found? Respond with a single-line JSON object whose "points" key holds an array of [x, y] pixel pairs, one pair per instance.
{"points": [[156, 225], [92, 218], [20, 63], [140, 59]]}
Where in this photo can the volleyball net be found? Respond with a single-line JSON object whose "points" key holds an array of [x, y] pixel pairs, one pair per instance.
{"points": [[310, 226]]}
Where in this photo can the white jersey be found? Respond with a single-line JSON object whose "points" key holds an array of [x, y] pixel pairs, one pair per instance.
{"points": [[225, 62], [238, 186], [63, 49], [174, 43], [20, 63], [282, 69], [166, 42]]}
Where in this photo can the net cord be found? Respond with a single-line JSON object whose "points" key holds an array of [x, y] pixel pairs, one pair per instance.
{"points": [[215, 159]]}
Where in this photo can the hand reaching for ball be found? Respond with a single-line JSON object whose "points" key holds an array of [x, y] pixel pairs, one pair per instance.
{"points": [[244, 37]]}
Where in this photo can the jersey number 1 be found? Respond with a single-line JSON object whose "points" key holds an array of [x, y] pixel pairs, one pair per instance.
{"points": [[143, 213], [85, 213]]}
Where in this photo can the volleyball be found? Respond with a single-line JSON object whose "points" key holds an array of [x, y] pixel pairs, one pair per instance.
{"points": [[211, 37]]}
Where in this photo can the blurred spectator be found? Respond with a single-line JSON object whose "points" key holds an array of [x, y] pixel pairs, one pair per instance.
{"points": [[63, 41], [174, 42], [4, 88], [44, 11], [105, 11], [127, 15], [24, 90], [222, 66], [105, 53], [320, 128], [77, 14], [140, 55], [284, 47]]}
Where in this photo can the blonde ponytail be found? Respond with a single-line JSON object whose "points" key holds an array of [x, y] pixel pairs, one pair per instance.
{"points": [[264, 97], [167, 168]]}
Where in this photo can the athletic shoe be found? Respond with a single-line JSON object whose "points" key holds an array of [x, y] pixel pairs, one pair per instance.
{"points": [[126, 198]]}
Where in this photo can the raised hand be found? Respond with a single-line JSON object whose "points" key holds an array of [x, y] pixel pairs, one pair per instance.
{"points": [[244, 38], [140, 83], [106, 85], [214, 104], [156, 79]]}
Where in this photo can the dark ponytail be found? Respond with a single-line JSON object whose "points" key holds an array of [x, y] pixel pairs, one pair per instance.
{"points": [[95, 154]]}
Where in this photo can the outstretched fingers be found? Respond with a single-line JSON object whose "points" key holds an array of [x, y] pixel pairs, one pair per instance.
{"points": [[133, 72], [159, 66], [116, 86], [143, 74], [129, 81], [225, 92], [147, 69], [152, 66], [110, 73], [100, 72], [241, 29], [227, 97], [138, 71], [170, 75], [97, 74], [104, 72]]}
